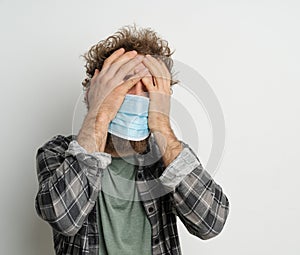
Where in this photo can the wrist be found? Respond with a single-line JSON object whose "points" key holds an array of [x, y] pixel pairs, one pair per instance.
{"points": [[92, 114], [102, 122], [99, 118], [163, 129], [161, 124], [170, 147]]}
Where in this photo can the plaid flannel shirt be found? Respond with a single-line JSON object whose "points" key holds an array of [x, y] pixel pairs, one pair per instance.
{"points": [[70, 181]]}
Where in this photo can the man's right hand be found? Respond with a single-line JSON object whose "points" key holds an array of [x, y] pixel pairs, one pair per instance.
{"points": [[108, 87], [106, 94]]}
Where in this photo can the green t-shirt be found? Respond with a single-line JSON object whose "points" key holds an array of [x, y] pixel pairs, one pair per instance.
{"points": [[123, 225]]}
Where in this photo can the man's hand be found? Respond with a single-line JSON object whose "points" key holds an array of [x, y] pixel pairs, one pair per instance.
{"points": [[158, 85], [108, 87], [106, 94]]}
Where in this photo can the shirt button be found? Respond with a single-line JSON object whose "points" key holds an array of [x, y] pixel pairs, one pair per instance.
{"points": [[156, 241], [140, 176], [150, 209]]}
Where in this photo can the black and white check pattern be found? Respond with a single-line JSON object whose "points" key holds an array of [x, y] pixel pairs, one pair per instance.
{"points": [[70, 181]]}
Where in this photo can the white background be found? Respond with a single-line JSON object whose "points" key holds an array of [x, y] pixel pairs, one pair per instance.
{"points": [[248, 51]]}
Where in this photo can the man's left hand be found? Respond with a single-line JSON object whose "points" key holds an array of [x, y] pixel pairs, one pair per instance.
{"points": [[158, 84]]}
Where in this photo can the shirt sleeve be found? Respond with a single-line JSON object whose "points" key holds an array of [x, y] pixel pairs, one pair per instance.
{"points": [[197, 199], [69, 182]]}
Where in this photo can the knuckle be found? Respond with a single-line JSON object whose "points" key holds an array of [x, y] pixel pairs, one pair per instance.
{"points": [[107, 60], [109, 83], [123, 68], [131, 81], [118, 91], [93, 81], [128, 83], [138, 59], [134, 80]]}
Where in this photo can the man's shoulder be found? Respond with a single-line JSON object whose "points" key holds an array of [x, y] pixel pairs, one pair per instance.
{"points": [[57, 143]]}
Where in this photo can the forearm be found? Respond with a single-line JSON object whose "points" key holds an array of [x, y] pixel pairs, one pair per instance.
{"points": [[54, 203], [204, 217], [67, 180], [93, 133], [198, 200]]}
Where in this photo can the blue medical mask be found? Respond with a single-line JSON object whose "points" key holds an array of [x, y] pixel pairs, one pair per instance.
{"points": [[131, 121]]}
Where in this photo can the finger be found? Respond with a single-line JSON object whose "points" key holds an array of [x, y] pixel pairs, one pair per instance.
{"points": [[148, 82], [155, 69], [137, 68], [86, 96], [161, 66], [166, 75], [163, 80], [117, 63], [128, 67], [92, 81], [152, 64], [115, 55], [165, 68], [128, 84], [96, 73], [90, 84]]}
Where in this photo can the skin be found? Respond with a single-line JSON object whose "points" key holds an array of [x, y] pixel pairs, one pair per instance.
{"points": [[129, 73]]}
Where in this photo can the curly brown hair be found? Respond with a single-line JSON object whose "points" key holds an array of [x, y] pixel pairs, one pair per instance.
{"points": [[143, 40]]}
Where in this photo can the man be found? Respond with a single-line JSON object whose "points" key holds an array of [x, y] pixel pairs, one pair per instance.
{"points": [[117, 186]]}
